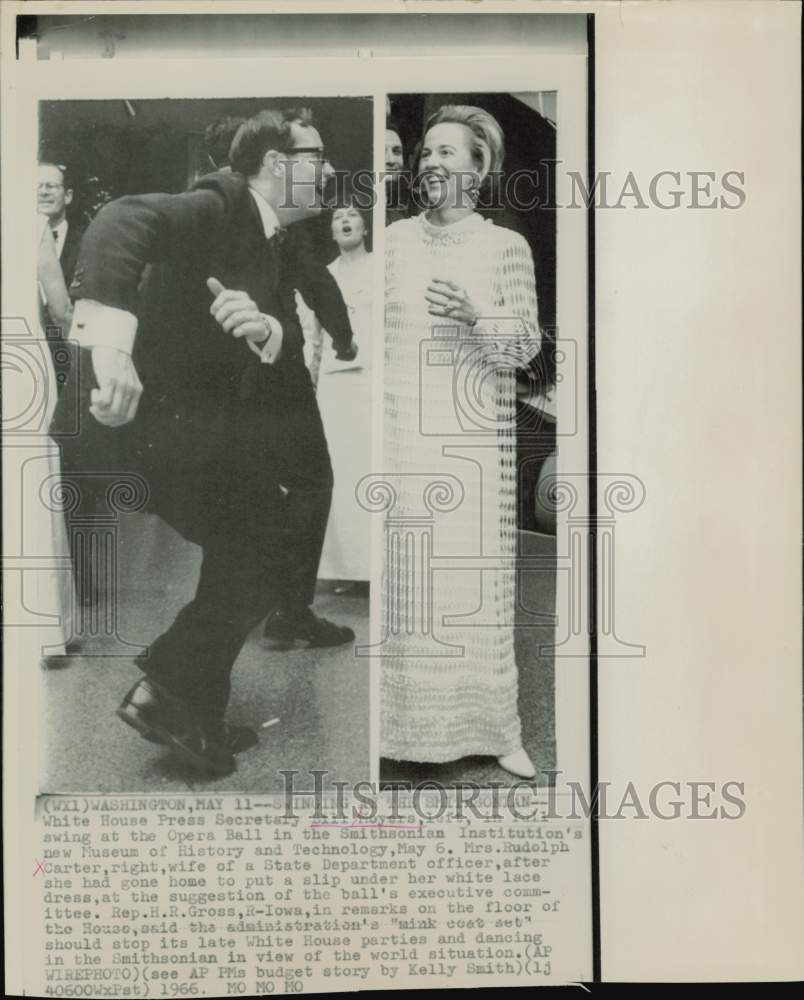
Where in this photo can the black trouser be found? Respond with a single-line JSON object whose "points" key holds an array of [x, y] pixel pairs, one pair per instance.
{"points": [[262, 548], [240, 580]]}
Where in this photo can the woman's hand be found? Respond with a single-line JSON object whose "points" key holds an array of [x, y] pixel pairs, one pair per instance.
{"points": [[450, 301]]}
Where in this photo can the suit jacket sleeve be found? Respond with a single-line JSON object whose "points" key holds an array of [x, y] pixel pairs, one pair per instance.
{"points": [[321, 293], [132, 232]]}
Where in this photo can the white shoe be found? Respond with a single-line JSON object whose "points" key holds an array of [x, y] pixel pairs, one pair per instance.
{"points": [[518, 763]]}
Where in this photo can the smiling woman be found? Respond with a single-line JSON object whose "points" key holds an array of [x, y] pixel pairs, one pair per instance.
{"points": [[462, 150], [462, 291]]}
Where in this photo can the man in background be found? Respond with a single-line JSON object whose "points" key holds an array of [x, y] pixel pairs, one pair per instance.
{"points": [[62, 237], [54, 195], [396, 189]]}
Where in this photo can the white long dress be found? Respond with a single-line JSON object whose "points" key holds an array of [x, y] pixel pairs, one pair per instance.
{"points": [[449, 678], [344, 398]]}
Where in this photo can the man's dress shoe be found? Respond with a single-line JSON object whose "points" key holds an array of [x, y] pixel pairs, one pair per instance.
{"points": [[283, 631], [237, 739], [163, 718]]}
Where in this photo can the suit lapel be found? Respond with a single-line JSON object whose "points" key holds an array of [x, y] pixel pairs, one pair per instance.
{"points": [[69, 252]]}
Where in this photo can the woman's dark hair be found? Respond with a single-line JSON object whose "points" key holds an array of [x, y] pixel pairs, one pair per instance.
{"points": [[263, 131], [352, 201]]}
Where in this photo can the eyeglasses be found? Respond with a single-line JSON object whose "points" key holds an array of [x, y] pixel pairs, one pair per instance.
{"points": [[316, 152]]}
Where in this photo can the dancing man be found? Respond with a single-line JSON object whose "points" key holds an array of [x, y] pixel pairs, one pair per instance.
{"points": [[185, 313]]}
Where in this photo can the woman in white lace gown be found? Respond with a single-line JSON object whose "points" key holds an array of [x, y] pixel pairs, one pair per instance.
{"points": [[461, 314]]}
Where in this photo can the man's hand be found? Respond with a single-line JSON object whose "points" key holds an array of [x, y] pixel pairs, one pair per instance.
{"points": [[116, 400], [237, 313], [348, 353]]}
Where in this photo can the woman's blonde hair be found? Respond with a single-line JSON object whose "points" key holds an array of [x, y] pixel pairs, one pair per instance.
{"points": [[487, 143]]}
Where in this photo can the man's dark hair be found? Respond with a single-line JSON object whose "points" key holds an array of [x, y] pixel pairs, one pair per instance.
{"points": [[263, 131], [393, 126], [218, 138]]}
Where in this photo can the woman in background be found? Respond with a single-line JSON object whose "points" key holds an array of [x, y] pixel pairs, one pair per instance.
{"points": [[450, 268], [344, 398]]}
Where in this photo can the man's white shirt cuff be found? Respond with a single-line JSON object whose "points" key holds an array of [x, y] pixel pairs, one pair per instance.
{"points": [[268, 351], [98, 325]]}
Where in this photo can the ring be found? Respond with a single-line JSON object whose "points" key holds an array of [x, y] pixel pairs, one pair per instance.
{"points": [[449, 308]]}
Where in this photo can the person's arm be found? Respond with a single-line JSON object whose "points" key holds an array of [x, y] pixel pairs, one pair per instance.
{"points": [[131, 232], [515, 310], [126, 236], [510, 319], [313, 334], [320, 291], [509, 326]]}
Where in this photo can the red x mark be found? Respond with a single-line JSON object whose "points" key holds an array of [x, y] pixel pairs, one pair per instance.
{"points": [[39, 868]]}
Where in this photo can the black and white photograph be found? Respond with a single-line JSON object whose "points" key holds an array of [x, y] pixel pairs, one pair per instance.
{"points": [[289, 511], [204, 270], [470, 440], [386, 586]]}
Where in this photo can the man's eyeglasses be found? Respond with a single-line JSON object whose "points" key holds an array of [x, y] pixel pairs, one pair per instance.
{"points": [[315, 152]]}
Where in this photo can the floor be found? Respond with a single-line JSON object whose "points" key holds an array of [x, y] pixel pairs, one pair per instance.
{"points": [[311, 708], [316, 702]]}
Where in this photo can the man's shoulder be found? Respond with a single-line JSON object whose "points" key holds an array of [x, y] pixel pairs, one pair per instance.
{"points": [[230, 187], [74, 232]]}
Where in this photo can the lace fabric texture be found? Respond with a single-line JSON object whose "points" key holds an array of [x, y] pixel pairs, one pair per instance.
{"points": [[449, 678]]}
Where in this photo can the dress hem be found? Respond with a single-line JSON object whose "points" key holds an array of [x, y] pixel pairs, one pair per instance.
{"points": [[435, 757]]}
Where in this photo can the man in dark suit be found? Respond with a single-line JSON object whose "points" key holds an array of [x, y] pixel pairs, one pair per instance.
{"points": [[227, 433], [54, 195]]}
